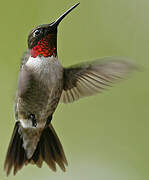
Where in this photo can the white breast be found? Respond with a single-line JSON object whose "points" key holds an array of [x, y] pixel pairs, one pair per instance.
{"points": [[48, 68]]}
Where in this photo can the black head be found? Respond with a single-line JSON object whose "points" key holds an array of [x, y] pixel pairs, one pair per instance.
{"points": [[46, 32], [39, 33]]}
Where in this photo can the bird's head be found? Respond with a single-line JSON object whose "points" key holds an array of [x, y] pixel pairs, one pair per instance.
{"points": [[42, 40]]}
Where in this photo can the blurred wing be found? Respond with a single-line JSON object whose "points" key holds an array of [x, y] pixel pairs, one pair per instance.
{"points": [[25, 58], [93, 77], [24, 81], [25, 75]]}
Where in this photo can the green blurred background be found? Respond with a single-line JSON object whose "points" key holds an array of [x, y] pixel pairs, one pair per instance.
{"points": [[105, 137]]}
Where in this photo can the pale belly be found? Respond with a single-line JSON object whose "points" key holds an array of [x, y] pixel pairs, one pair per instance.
{"points": [[44, 91]]}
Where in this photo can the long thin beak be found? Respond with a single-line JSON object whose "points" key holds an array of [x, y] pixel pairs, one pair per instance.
{"points": [[56, 23]]}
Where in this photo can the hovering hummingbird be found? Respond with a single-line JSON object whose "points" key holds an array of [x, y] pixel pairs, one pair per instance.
{"points": [[42, 83]]}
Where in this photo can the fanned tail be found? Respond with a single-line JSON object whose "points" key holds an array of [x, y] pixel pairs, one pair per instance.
{"points": [[49, 149]]}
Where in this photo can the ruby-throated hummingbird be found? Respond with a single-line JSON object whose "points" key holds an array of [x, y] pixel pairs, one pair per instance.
{"points": [[43, 82]]}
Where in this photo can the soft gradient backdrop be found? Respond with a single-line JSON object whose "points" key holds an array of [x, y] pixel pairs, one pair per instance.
{"points": [[105, 137]]}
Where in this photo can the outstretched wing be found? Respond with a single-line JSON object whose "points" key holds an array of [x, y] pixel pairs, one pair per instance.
{"points": [[93, 77]]}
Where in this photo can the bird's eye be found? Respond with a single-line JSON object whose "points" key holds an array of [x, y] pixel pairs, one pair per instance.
{"points": [[36, 32]]}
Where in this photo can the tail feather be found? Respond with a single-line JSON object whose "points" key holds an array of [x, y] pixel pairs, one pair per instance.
{"points": [[58, 155], [16, 154], [49, 149]]}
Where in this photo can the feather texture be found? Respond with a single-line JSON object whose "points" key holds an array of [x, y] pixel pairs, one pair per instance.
{"points": [[89, 78], [49, 149]]}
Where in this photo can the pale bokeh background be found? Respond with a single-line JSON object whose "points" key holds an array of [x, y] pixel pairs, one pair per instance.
{"points": [[105, 137]]}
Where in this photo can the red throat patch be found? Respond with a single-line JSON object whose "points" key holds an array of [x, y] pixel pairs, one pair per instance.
{"points": [[42, 48]]}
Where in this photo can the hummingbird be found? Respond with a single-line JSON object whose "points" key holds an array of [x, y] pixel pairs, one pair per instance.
{"points": [[42, 83]]}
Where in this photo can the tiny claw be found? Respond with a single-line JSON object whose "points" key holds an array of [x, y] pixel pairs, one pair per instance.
{"points": [[34, 123], [33, 119]]}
